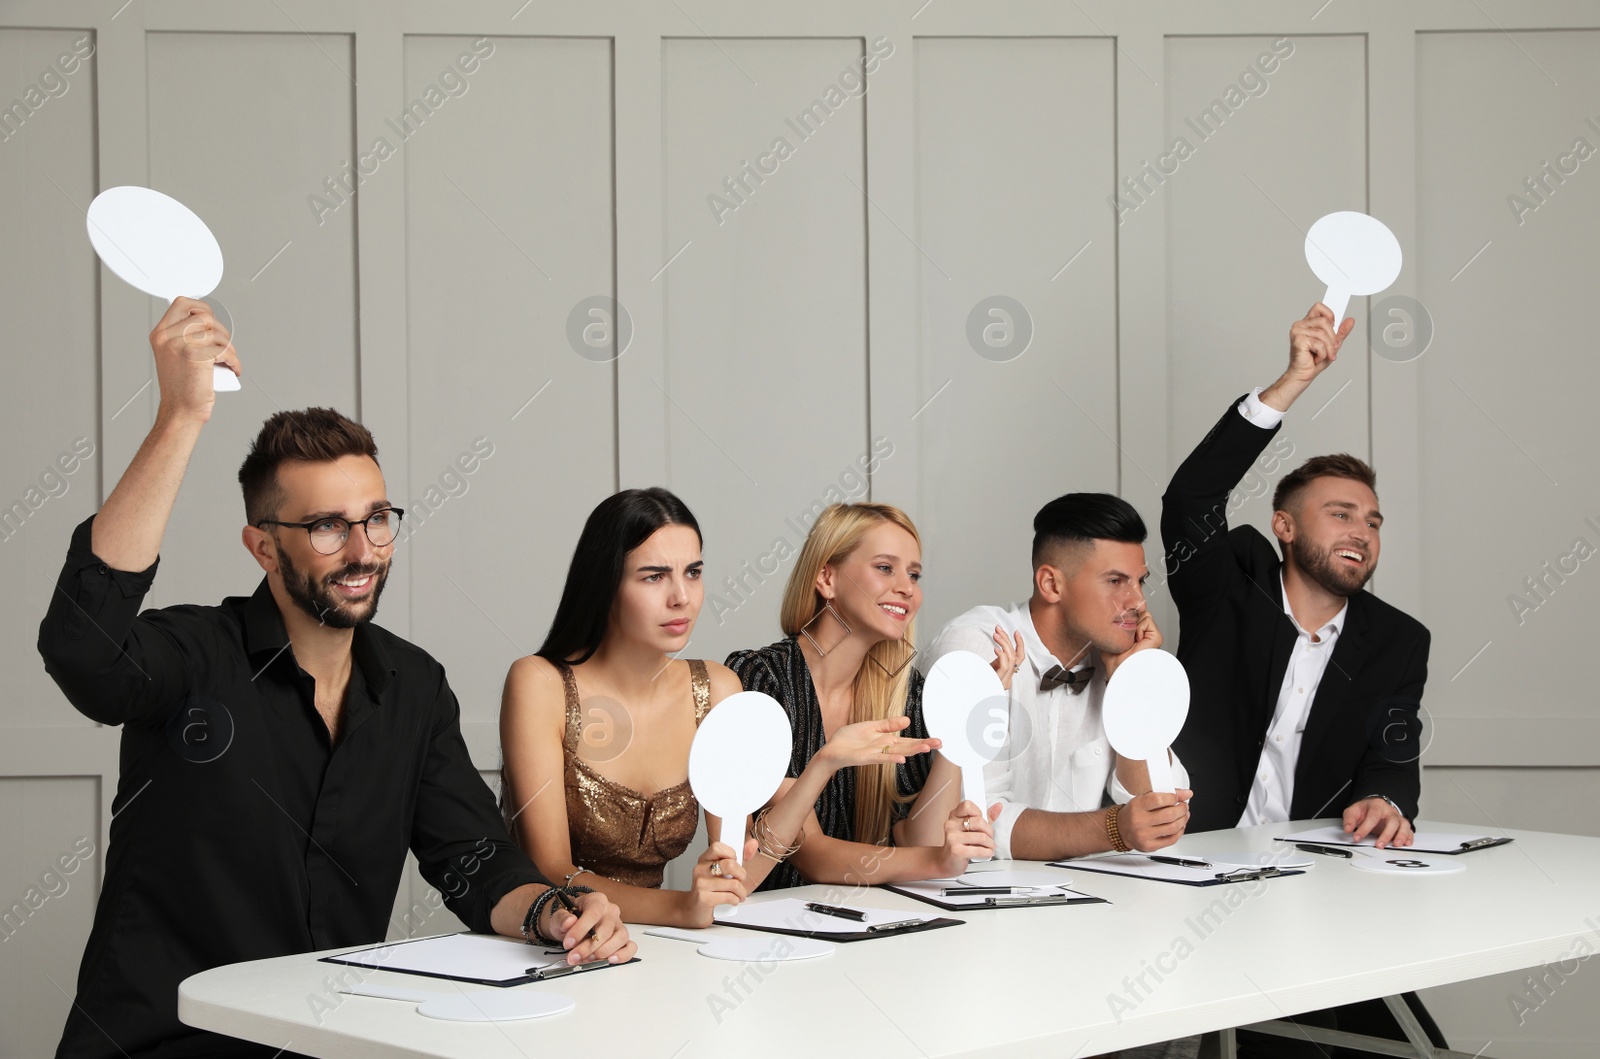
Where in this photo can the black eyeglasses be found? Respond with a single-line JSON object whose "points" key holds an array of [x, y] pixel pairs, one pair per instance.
{"points": [[328, 535]]}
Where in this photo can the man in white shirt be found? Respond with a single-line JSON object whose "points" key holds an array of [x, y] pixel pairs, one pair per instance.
{"points": [[1054, 653]]}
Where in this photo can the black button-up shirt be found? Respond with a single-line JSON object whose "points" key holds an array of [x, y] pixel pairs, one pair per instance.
{"points": [[239, 831]]}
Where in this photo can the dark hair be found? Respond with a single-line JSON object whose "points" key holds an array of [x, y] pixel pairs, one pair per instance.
{"points": [[1081, 518], [316, 435], [1339, 465], [618, 524]]}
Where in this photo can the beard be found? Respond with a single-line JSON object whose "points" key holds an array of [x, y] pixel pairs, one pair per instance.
{"points": [[1106, 642], [323, 602], [1320, 566]]}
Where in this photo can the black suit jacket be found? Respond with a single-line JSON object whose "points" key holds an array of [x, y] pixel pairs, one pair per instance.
{"points": [[1363, 730]]}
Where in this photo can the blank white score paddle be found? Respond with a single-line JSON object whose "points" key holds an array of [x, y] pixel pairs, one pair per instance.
{"points": [[157, 244], [738, 759], [966, 709], [1146, 702], [1354, 254]]}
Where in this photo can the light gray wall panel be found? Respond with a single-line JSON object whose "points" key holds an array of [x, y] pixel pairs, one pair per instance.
{"points": [[1510, 488], [48, 881], [247, 154], [512, 431], [765, 339], [1026, 408], [1291, 150], [49, 389]]}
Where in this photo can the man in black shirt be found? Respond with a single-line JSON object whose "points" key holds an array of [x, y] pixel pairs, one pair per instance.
{"points": [[279, 752]]}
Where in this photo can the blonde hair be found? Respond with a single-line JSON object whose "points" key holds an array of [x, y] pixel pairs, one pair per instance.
{"points": [[875, 695]]}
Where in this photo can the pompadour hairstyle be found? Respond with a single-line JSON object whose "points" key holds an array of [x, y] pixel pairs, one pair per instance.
{"points": [[315, 435]]}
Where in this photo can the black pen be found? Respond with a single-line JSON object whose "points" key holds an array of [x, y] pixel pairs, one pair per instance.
{"points": [[1179, 861], [962, 891], [1326, 851], [565, 900], [835, 910]]}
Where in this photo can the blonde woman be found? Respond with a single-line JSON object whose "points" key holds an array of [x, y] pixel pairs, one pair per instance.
{"points": [[849, 615]]}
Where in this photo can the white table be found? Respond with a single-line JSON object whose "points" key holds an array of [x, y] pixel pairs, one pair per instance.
{"points": [[1010, 982]]}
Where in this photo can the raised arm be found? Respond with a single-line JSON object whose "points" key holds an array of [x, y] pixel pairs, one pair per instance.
{"points": [[1194, 509], [187, 342], [1313, 345], [114, 666]]}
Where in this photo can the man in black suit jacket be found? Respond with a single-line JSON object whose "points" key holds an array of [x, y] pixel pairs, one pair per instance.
{"points": [[1305, 688], [1245, 617]]}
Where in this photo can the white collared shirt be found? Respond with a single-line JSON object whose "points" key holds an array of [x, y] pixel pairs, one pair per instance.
{"points": [[1272, 790], [1056, 755]]}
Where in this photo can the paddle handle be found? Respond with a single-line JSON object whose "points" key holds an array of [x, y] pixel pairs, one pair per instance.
{"points": [[1337, 301], [1160, 768], [972, 785]]}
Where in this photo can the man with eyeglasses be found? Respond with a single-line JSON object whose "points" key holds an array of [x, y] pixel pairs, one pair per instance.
{"points": [[280, 753]]}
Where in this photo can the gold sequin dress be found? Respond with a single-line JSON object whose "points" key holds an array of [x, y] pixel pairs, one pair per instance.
{"points": [[615, 831]]}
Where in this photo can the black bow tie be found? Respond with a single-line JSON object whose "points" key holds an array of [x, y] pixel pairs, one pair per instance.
{"points": [[1074, 680]]}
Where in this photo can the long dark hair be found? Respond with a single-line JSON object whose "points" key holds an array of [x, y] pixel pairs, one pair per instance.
{"points": [[618, 524]]}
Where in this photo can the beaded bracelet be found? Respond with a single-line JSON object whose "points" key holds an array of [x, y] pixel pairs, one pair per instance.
{"points": [[530, 923], [1114, 831]]}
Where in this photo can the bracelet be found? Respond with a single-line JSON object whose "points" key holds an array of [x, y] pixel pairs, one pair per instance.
{"points": [[563, 894], [767, 844], [1114, 832], [577, 873], [530, 922]]}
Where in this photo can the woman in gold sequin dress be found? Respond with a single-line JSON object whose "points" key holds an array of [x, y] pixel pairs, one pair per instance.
{"points": [[596, 726]]}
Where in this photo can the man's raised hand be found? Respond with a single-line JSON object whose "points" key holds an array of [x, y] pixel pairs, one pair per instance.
{"points": [[187, 343], [1314, 343]]}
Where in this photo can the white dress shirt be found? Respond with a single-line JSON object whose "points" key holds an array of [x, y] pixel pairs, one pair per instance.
{"points": [[1258, 411], [1272, 791], [1056, 755]]}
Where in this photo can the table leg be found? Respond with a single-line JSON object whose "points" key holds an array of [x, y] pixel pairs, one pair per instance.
{"points": [[1230, 1043], [1417, 1045], [1410, 1026]]}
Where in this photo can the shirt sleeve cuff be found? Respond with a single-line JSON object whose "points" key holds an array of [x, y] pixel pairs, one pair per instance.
{"points": [[1009, 813], [1258, 412], [81, 557]]}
